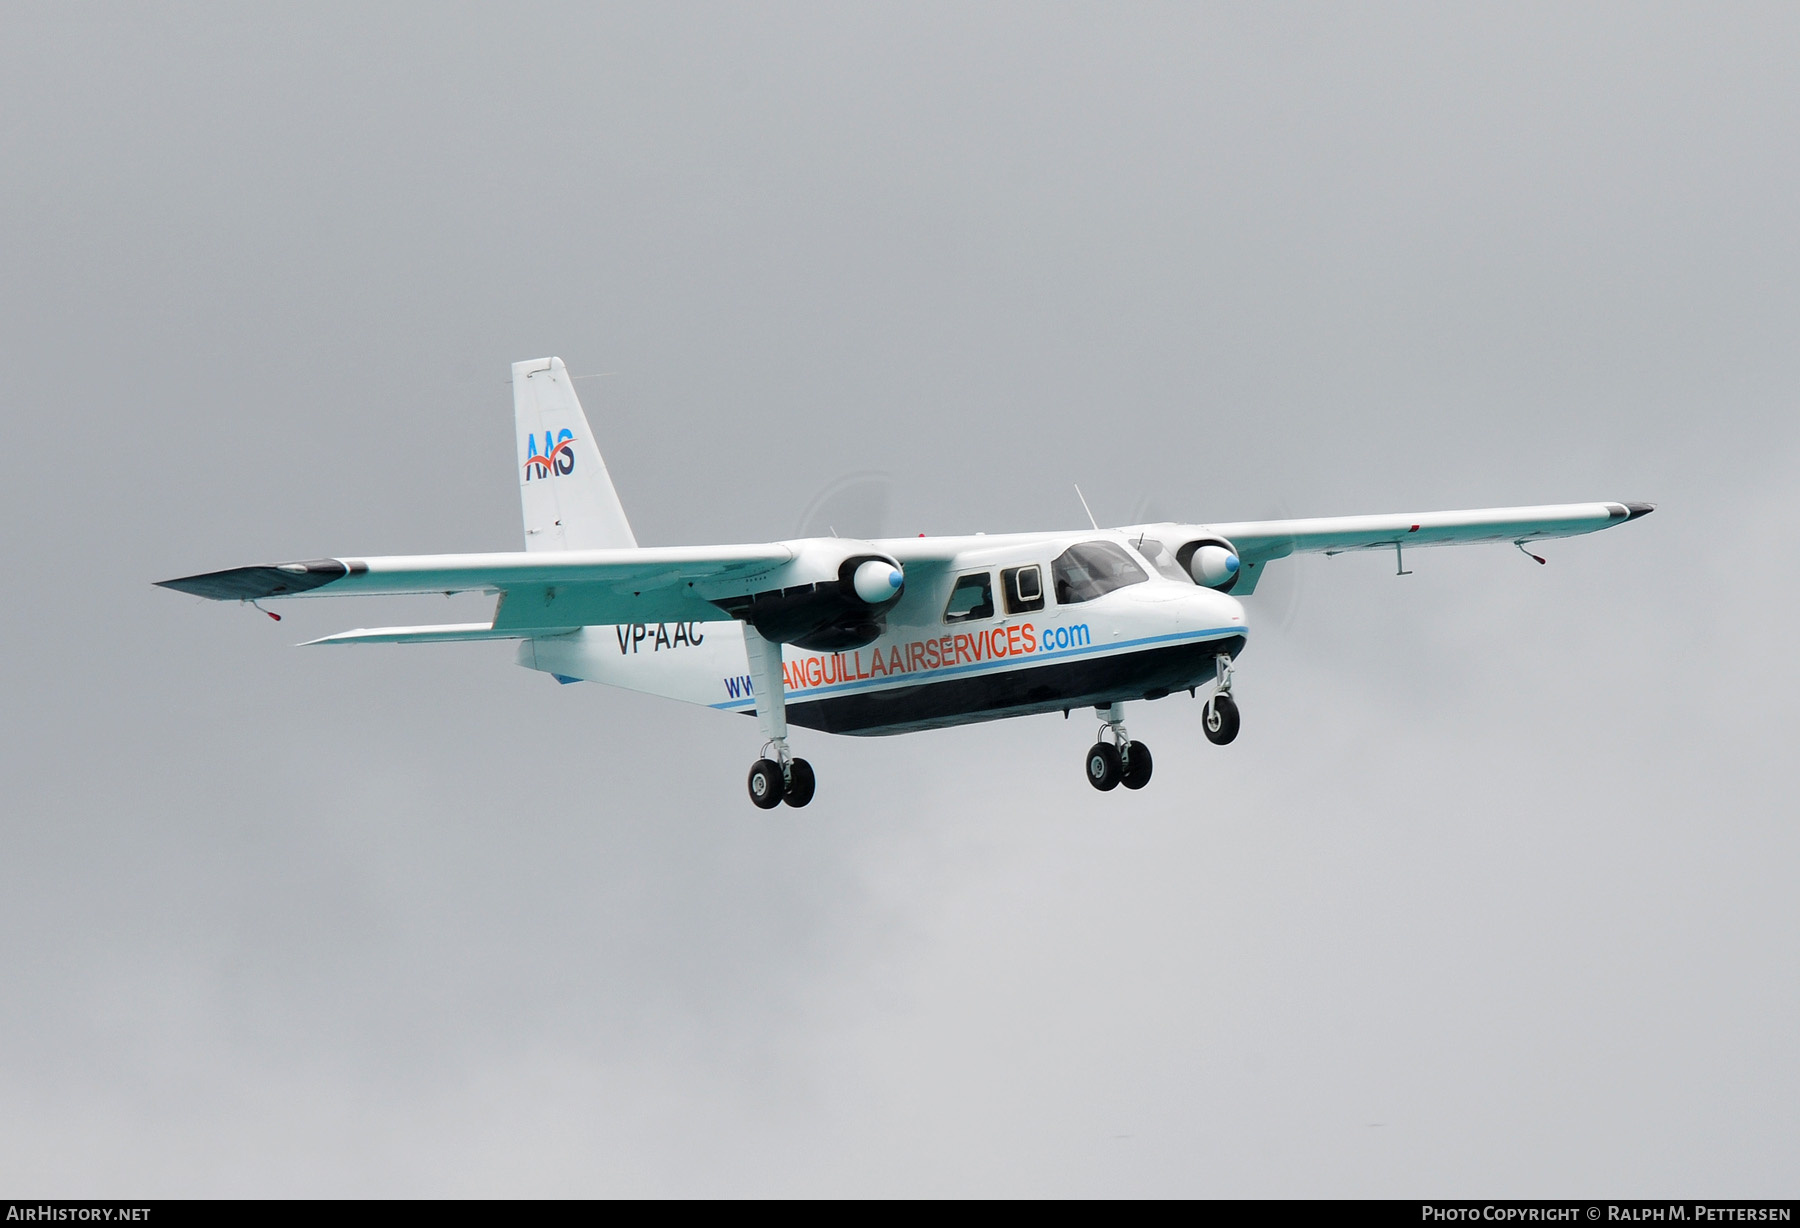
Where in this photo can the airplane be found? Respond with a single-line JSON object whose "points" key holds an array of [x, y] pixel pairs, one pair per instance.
{"points": [[871, 637]]}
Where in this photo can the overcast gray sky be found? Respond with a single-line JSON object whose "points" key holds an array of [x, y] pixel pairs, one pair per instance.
{"points": [[1495, 895]]}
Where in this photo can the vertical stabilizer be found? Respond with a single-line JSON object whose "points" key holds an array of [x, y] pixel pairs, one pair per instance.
{"points": [[564, 488]]}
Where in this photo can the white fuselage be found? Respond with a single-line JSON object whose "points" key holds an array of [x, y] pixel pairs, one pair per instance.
{"points": [[1142, 640]]}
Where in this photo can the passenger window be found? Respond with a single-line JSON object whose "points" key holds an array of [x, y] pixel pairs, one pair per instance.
{"points": [[1093, 569], [1024, 588], [972, 598]]}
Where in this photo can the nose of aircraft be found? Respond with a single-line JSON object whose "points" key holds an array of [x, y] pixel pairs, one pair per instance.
{"points": [[1180, 607], [1207, 609]]}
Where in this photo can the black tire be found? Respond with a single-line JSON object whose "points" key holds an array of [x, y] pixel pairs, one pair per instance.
{"points": [[800, 783], [765, 783], [1103, 767], [1221, 720], [1138, 765]]}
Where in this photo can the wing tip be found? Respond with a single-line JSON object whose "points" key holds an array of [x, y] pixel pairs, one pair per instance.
{"points": [[267, 580]]}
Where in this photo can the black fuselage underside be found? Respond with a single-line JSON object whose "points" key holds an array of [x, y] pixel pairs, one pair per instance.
{"points": [[1099, 680]]}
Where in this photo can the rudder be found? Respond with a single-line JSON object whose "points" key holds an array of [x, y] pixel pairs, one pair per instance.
{"points": [[565, 492]]}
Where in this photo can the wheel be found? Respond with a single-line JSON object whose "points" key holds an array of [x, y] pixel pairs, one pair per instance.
{"points": [[800, 783], [1221, 720], [1103, 767], [765, 783], [1137, 766]]}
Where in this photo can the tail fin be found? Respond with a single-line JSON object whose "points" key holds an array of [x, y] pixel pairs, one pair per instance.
{"points": [[564, 489]]}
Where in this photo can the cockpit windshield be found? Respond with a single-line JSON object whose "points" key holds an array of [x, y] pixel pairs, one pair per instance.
{"points": [[1165, 563], [1092, 569]]}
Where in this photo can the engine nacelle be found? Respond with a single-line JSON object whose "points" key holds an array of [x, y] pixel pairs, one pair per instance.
{"points": [[877, 581], [832, 615], [1212, 562]]}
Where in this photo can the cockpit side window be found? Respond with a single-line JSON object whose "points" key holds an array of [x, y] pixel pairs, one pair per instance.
{"points": [[1024, 588], [972, 598], [1088, 570], [1166, 564]]}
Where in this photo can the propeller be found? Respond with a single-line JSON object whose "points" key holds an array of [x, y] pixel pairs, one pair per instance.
{"points": [[1276, 601], [853, 505]]}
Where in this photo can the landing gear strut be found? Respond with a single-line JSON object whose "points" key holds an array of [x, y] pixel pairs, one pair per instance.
{"points": [[777, 777], [1221, 710], [1120, 761]]}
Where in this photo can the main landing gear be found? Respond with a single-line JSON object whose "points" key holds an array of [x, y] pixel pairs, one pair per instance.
{"points": [[1120, 761], [772, 784], [777, 777]]}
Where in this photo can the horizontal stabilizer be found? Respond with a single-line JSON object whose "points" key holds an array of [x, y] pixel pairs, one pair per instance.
{"points": [[446, 633]]}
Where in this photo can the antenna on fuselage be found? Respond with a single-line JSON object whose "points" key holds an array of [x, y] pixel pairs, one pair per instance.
{"points": [[1085, 507]]}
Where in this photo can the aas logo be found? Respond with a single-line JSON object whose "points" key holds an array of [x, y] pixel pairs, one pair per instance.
{"points": [[556, 458]]}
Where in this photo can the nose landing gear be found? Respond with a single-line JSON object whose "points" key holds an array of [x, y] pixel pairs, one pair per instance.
{"points": [[1221, 710], [1221, 720]]}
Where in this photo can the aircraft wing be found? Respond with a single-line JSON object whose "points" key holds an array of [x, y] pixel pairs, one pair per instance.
{"points": [[1259, 541], [539, 591]]}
